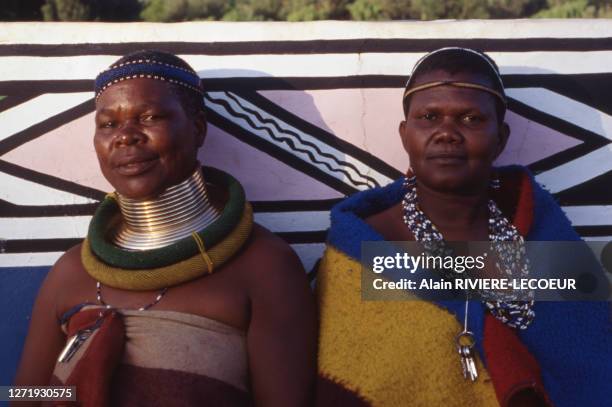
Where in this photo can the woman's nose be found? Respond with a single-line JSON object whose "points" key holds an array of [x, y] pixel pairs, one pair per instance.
{"points": [[128, 134], [447, 132]]}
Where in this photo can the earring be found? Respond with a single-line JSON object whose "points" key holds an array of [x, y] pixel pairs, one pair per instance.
{"points": [[495, 182], [410, 178]]}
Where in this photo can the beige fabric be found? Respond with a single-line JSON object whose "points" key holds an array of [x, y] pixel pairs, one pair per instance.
{"points": [[178, 341], [188, 343]]}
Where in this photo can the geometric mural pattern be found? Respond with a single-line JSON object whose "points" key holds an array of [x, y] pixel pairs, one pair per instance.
{"points": [[301, 123]]}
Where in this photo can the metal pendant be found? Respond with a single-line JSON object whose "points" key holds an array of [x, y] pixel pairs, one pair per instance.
{"points": [[465, 343], [77, 340], [73, 345]]}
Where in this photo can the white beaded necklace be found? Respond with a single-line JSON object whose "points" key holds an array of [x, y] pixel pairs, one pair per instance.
{"points": [[516, 314]]}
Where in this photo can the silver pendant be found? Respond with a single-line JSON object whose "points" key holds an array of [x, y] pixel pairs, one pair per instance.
{"points": [[77, 340], [73, 345], [465, 343]]}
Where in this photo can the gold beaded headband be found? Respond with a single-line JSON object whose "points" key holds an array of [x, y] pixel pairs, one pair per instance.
{"points": [[410, 90], [468, 85]]}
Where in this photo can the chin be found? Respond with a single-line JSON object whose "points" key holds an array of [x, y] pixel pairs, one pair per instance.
{"points": [[450, 184], [147, 185], [139, 192]]}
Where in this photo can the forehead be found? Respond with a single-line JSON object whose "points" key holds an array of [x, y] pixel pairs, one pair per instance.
{"points": [[137, 91], [445, 95]]}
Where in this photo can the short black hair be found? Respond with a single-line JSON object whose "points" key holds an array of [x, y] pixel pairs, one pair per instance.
{"points": [[192, 101], [455, 60]]}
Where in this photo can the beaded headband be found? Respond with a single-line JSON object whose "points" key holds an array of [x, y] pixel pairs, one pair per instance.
{"points": [[501, 95], [147, 68], [456, 84]]}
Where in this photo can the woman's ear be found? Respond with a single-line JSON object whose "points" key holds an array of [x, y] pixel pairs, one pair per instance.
{"points": [[504, 134], [403, 133]]}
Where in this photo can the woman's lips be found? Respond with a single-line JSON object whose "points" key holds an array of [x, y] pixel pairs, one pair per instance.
{"points": [[448, 158], [136, 166]]}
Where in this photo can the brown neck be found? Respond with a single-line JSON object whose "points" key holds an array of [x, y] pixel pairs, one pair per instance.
{"points": [[457, 217]]}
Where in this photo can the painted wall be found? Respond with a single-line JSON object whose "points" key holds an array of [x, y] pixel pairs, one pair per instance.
{"points": [[303, 114]]}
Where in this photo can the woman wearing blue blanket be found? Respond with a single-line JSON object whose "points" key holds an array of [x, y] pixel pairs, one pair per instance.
{"points": [[454, 353]]}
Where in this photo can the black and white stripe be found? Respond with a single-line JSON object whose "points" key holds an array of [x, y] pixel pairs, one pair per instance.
{"points": [[555, 73]]}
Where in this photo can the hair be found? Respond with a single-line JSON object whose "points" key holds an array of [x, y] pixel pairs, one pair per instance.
{"points": [[455, 60], [191, 101]]}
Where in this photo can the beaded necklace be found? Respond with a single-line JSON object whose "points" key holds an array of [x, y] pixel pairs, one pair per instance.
{"points": [[516, 314], [157, 299]]}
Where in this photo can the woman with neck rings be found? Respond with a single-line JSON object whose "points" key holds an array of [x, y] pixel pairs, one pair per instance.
{"points": [[452, 353], [176, 297]]}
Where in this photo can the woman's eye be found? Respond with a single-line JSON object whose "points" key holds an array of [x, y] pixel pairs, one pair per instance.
{"points": [[429, 116], [107, 124], [472, 119], [150, 117]]}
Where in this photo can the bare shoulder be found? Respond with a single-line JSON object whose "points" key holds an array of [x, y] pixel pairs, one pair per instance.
{"points": [[386, 221], [271, 261], [68, 280], [379, 218], [389, 223], [271, 251], [68, 261], [69, 268]]}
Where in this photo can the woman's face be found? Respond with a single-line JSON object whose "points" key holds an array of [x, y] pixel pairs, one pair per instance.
{"points": [[144, 139], [452, 135]]}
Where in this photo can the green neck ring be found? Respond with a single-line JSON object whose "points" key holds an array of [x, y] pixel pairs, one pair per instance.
{"points": [[178, 251]]}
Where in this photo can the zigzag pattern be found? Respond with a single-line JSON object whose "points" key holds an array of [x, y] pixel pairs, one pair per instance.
{"points": [[295, 141], [573, 104]]}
